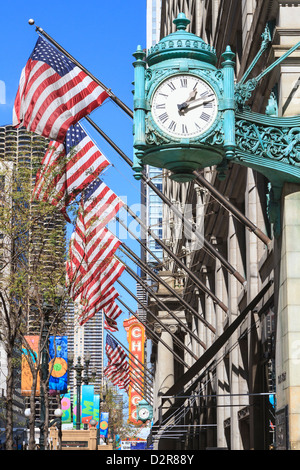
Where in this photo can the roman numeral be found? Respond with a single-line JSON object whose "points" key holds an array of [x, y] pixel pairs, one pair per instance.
{"points": [[164, 117], [208, 105], [161, 106], [172, 125], [172, 86], [183, 82], [163, 94], [205, 116], [184, 129], [204, 94]]}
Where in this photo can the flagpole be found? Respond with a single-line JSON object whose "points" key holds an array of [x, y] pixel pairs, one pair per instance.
{"points": [[139, 379], [164, 307], [136, 359], [67, 54], [195, 279], [138, 240], [151, 272], [190, 226], [142, 265], [201, 181]]}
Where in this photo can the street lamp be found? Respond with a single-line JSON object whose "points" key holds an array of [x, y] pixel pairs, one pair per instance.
{"points": [[80, 378], [57, 420]]}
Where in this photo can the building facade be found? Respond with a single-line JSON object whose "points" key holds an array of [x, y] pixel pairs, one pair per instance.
{"points": [[245, 396]]}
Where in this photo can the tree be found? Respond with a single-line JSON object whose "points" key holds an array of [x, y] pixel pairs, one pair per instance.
{"points": [[118, 424], [32, 270]]}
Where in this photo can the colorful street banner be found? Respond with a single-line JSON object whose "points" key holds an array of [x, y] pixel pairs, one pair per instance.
{"points": [[65, 404], [26, 375], [96, 409], [87, 403], [104, 425], [58, 353], [136, 340]]}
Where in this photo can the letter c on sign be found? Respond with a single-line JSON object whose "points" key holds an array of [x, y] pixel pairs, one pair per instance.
{"points": [[135, 400], [136, 332]]}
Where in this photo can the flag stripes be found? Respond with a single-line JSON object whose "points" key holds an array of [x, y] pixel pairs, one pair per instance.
{"points": [[103, 300], [117, 370], [53, 93], [111, 312]]}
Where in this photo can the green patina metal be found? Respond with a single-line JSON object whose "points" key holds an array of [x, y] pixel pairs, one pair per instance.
{"points": [[264, 142]]}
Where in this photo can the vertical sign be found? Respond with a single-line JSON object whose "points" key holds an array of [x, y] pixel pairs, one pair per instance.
{"points": [[96, 409], [104, 425], [136, 340], [26, 375], [65, 404], [87, 400], [58, 352]]}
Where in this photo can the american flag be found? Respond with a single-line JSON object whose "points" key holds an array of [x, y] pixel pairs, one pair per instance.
{"points": [[53, 93], [115, 353], [111, 312], [92, 243], [117, 369], [105, 299], [117, 376], [88, 259], [68, 168], [100, 285], [98, 206]]}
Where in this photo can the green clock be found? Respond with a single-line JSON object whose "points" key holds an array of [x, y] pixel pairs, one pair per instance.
{"points": [[144, 411], [144, 414]]}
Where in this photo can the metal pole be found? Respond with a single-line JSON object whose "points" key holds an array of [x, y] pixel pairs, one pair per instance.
{"points": [[164, 307], [200, 180], [78, 368], [136, 359], [157, 320], [147, 327], [166, 285], [192, 275], [138, 240]]}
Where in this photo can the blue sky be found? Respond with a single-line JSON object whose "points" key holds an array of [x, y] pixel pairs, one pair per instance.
{"points": [[102, 36]]}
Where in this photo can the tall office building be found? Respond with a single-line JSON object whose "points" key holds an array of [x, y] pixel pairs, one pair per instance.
{"points": [[245, 396], [86, 341]]}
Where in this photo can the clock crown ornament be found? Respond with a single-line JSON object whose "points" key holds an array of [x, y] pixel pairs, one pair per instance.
{"points": [[181, 44]]}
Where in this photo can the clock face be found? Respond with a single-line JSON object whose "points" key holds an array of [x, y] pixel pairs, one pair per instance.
{"points": [[144, 413], [184, 106]]}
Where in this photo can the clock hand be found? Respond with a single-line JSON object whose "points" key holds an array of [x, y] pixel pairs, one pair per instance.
{"points": [[190, 99], [183, 106]]}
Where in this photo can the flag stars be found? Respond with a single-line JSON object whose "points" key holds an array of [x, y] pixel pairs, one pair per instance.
{"points": [[47, 53]]}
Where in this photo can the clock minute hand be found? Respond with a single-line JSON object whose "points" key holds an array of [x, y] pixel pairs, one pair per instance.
{"points": [[199, 102]]}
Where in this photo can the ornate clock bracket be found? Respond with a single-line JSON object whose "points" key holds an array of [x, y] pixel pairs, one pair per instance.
{"points": [[266, 143]]}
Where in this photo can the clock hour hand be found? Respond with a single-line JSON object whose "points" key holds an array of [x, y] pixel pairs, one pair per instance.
{"points": [[190, 99]]}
